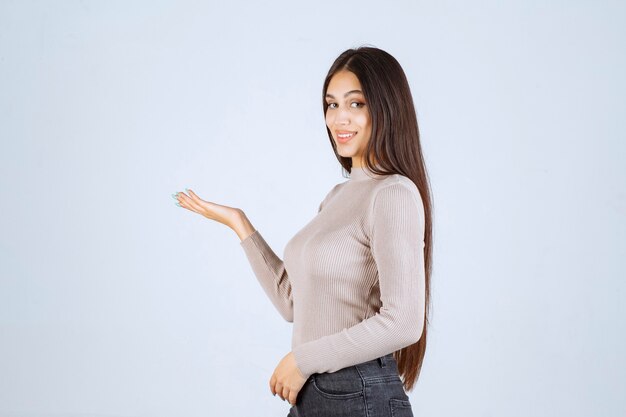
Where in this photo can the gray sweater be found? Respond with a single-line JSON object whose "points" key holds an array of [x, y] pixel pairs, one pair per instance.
{"points": [[353, 278]]}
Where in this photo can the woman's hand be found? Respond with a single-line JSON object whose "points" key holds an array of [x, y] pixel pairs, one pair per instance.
{"points": [[213, 211], [286, 381]]}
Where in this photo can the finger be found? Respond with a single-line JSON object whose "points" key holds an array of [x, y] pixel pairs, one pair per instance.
{"points": [[293, 395], [193, 195], [180, 202], [272, 383], [285, 393], [205, 205], [278, 388], [187, 202]]}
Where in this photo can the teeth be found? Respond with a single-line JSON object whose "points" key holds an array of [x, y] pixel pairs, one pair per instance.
{"points": [[345, 135]]}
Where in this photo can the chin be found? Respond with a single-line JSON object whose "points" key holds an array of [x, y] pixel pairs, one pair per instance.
{"points": [[345, 151], [345, 154]]}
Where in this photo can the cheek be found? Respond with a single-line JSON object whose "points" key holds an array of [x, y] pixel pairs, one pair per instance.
{"points": [[364, 121]]}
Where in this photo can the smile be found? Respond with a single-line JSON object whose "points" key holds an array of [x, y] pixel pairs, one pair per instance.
{"points": [[345, 137]]}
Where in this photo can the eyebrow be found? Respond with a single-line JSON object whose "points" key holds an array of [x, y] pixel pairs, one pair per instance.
{"points": [[347, 94]]}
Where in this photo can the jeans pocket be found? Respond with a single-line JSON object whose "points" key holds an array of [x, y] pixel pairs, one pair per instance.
{"points": [[340, 384], [400, 408]]}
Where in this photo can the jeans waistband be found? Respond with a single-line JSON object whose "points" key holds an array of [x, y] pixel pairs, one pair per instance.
{"points": [[384, 361], [384, 367]]}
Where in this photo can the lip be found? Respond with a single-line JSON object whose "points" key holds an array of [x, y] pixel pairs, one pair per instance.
{"points": [[342, 132]]}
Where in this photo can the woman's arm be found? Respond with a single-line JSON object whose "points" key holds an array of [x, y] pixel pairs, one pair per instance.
{"points": [[267, 266], [242, 226]]}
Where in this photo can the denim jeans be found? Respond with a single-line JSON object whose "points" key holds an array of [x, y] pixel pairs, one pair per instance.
{"points": [[368, 389]]}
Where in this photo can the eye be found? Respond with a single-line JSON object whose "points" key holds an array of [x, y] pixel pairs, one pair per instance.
{"points": [[358, 104]]}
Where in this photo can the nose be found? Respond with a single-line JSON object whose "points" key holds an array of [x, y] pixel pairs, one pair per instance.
{"points": [[342, 117]]}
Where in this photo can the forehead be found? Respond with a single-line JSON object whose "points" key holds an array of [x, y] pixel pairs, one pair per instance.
{"points": [[342, 82]]}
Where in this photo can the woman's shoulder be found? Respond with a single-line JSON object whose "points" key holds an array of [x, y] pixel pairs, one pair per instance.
{"points": [[397, 181], [397, 190], [334, 190], [337, 187]]}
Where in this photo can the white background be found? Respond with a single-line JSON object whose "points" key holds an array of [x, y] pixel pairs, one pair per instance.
{"points": [[116, 302]]}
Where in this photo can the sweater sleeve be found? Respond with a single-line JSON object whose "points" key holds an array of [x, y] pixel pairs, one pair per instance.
{"points": [[270, 272], [397, 245]]}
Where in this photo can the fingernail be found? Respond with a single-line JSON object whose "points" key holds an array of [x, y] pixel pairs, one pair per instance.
{"points": [[178, 204]]}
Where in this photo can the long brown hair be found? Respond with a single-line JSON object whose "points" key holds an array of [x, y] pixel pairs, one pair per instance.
{"points": [[395, 147]]}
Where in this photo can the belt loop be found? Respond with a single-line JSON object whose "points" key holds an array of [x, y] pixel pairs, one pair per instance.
{"points": [[381, 360]]}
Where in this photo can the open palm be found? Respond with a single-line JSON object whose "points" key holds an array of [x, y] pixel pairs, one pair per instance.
{"points": [[213, 211]]}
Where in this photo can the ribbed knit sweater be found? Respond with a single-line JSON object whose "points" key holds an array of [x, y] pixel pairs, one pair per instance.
{"points": [[353, 278]]}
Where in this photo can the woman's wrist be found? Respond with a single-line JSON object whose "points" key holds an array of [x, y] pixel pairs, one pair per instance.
{"points": [[242, 226]]}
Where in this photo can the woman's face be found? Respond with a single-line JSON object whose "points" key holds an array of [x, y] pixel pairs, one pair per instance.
{"points": [[348, 113]]}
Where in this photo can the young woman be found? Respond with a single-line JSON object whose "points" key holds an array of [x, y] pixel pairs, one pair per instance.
{"points": [[355, 281]]}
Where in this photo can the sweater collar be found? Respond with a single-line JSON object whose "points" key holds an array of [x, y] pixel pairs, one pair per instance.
{"points": [[362, 173]]}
